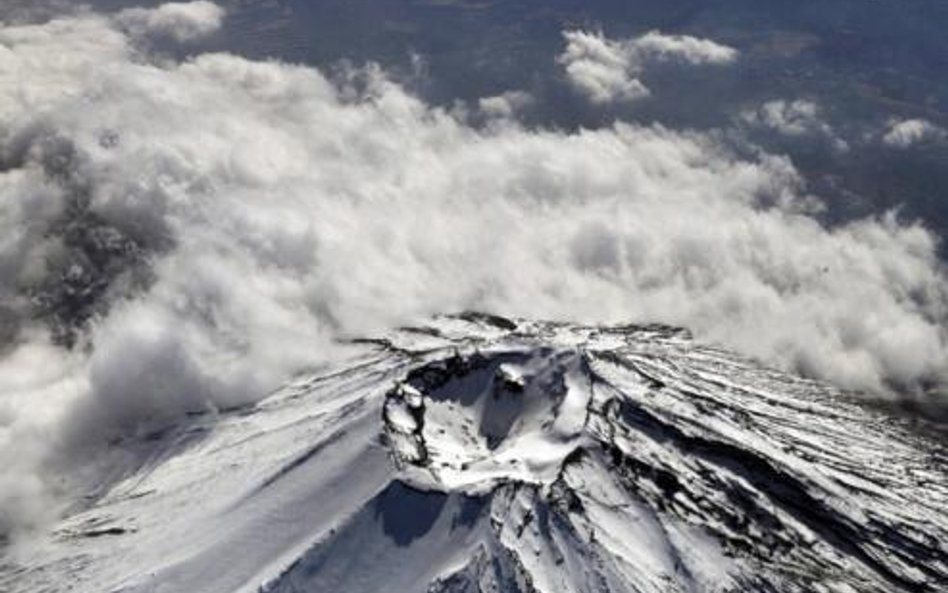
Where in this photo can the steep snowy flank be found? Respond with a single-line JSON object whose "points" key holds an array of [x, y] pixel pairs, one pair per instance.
{"points": [[483, 454]]}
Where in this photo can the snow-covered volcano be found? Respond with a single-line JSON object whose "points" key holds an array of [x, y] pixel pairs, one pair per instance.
{"points": [[483, 454]]}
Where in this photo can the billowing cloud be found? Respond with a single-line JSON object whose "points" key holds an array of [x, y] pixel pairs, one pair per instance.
{"points": [[606, 70], [212, 226], [180, 21], [602, 69], [908, 132]]}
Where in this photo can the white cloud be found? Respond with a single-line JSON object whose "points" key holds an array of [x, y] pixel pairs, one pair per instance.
{"points": [[793, 118], [908, 132], [38, 383], [602, 69], [283, 211], [181, 21], [683, 47], [505, 105], [606, 70]]}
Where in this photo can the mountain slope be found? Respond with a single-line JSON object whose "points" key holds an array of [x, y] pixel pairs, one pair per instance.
{"points": [[483, 454]]}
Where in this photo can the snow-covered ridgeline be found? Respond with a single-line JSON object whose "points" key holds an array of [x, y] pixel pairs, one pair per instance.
{"points": [[482, 454]]}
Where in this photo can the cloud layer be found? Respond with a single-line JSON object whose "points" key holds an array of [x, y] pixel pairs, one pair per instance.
{"points": [[606, 70], [246, 214]]}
